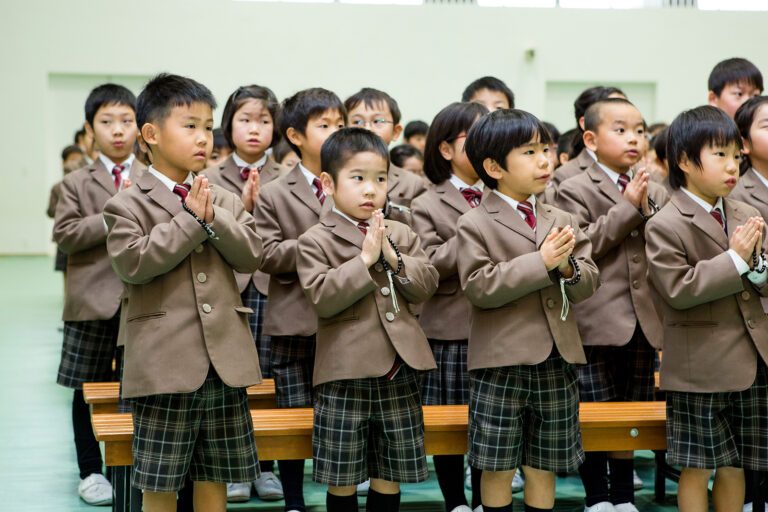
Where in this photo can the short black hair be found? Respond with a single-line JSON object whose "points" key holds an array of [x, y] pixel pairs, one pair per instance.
{"points": [[691, 132], [343, 144], [593, 116], [166, 91], [71, 150], [281, 150], [553, 131], [565, 141], [734, 71], [659, 144], [448, 124], [399, 154], [492, 84], [371, 98], [496, 134], [586, 99], [107, 94], [415, 128], [297, 110], [219, 141], [744, 117], [79, 133], [239, 97]]}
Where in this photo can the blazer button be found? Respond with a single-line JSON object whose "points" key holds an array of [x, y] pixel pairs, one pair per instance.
{"points": [[202, 277], [391, 317], [385, 291], [751, 323], [378, 267], [636, 284], [199, 249], [636, 258], [745, 295], [207, 308], [550, 303], [634, 233]]}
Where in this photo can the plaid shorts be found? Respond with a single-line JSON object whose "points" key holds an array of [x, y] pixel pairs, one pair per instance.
{"points": [[88, 351], [525, 415], [253, 299], [369, 428], [619, 374], [449, 383], [292, 359], [207, 433], [711, 430]]}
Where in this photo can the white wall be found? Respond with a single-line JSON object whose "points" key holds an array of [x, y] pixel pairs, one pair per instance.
{"points": [[423, 56]]}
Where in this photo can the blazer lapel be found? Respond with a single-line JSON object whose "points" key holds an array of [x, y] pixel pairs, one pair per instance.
{"points": [[584, 160], [755, 186], [231, 173], [734, 216], [702, 219], [301, 189], [545, 218], [160, 194], [102, 176], [506, 216], [604, 183], [344, 229], [270, 171], [452, 197]]}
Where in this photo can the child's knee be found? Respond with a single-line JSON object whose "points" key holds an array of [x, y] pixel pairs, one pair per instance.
{"points": [[499, 477], [384, 486], [344, 490]]}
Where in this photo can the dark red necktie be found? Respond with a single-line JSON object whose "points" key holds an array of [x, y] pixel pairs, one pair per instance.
{"points": [[718, 215], [182, 190], [472, 196], [319, 192], [362, 226], [527, 209], [117, 173], [246, 171], [623, 182]]}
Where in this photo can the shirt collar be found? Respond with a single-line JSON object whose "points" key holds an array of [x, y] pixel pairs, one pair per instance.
{"points": [[307, 174], [511, 202], [763, 180], [354, 222], [459, 184], [168, 182], [613, 174], [109, 164], [707, 207], [242, 163], [591, 153]]}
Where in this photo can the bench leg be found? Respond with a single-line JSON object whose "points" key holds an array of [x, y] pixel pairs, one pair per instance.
{"points": [[124, 497], [660, 479]]}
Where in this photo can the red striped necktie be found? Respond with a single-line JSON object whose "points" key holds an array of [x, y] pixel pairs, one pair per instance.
{"points": [[623, 182], [319, 190], [182, 190], [527, 209], [117, 173]]}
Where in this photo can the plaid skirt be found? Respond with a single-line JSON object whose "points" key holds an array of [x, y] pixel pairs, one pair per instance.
{"points": [[87, 352], [253, 299], [449, 383], [292, 359]]}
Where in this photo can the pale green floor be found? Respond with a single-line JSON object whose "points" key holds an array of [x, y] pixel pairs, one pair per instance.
{"points": [[37, 459]]}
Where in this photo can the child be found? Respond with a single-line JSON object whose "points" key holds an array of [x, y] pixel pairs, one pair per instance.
{"points": [[520, 263], [286, 208], [378, 112], [415, 134], [491, 92], [408, 158], [84, 140], [715, 334], [284, 155], [732, 82], [564, 144], [174, 242], [359, 272], [619, 325], [445, 317], [72, 158], [555, 134], [92, 299], [221, 148], [580, 157], [247, 125]]}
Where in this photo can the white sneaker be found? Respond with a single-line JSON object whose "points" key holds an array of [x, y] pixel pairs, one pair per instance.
{"points": [[238, 493], [468, 480], [636, 482], [268, 487], [603, 506], [479, 508], [362, 489], [95, 489], [462, 508], [625, 507], [518, 482]]}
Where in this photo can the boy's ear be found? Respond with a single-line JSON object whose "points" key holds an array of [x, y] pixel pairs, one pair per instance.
{"points": [[446, 150], [492, 168], [563, 158], [327, 182], [685, 164], [148, 134], [581, 123], [590, 140], [293, 136], [88, 128], [396, 131], [713, 99]]}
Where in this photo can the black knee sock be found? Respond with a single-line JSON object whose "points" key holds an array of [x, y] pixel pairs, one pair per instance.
{"points": [[378, 502], [505, 508], [529, 508], [267, 466], [292, 476], [186, 500], [477, 498], [594, 477], [622, 486], [450, 477], [335, 503], [88, 454]]}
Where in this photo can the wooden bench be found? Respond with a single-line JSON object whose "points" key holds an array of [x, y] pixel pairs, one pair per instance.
{"points": [[102, 396], [287, 433]]}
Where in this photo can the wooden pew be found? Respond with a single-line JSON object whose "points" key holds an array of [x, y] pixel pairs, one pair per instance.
{"points": [[102, 396]]}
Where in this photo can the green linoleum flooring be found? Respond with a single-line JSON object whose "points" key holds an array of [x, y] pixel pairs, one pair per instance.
{"points": [[37, 458]]}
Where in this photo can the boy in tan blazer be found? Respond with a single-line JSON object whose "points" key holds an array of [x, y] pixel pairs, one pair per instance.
{"points": [[619, 325], [715, 332], [286, 208], [189, 353], [521, 263], [378, 111], [92, 298], [360, 272]]}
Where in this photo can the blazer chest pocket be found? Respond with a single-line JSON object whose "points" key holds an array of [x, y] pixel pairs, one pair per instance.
{"points": [[244, 309], [146, 316]]}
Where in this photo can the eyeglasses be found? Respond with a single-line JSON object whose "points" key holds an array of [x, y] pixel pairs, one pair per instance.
{"points": [[361, 123]]}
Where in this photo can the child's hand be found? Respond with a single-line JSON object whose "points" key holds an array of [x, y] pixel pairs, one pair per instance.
{"points": [[372, 243], [637, 191], [196, 200], [746, 237], [557, 247], [251, 190], [126, 183], [208, 203]]}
